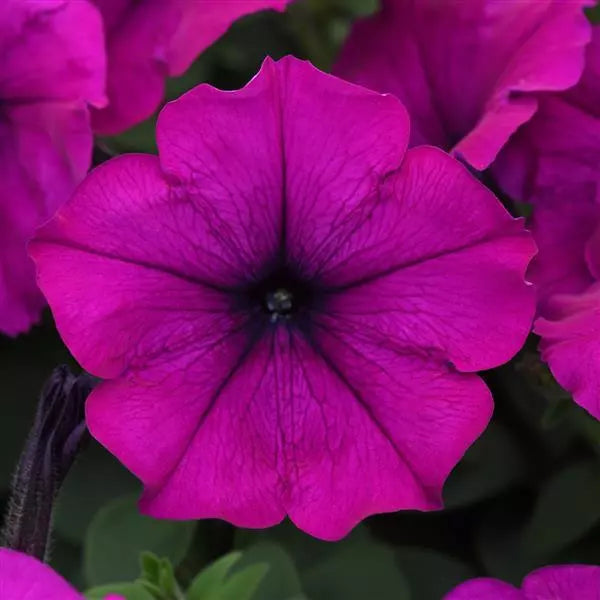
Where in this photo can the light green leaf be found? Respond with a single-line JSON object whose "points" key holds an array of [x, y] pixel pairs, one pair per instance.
{"points": [[243, 585], [119, 534], [357, 571], [95, 480], [130, 591], [208, 582], [281, 581]]}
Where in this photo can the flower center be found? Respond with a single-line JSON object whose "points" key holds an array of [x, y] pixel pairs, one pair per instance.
{"points": [[280, 304], [282, 296]]}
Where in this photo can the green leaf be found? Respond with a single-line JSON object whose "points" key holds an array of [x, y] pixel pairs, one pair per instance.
{"points": [[207, 583], [355, 571], [95, 480], [430, 574], [118, 535], [130, 591], [304, 549], [282, 581], [492, 464], [151, 566], [353, 566], [243, 584], [158, 577], [567, 508]]}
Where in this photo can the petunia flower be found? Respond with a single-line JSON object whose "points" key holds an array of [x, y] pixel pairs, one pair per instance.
{"points": [[468, 72], [560, 146], [150, 40], [564, 582], [552, 161], [51, 64], [288, 307], [22, 576], [566, 226]]}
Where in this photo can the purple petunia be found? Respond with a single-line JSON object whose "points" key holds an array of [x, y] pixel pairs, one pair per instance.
{"points": [[288, 307], [559, 149], [150, 40], [22, 576], [564, 582], [552, 161], [469, 73], [566, 226], [51, 65]]}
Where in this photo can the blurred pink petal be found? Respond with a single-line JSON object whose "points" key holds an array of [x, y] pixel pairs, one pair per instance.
{"points": [[468, 72], [278, 325], [485, 589], [23, 577], [564, 582], [52, 63], [151, 40], [566, 227], [560, 146], [571, 344]]}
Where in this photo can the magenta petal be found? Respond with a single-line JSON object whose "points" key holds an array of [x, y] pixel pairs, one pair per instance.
{"points": [[331, 193], [148, 41], [565, 582], [152, 435], [51, 50], [415, 238], [563, 227], [22, 576], [571, 345], [52, 64], [486, 589], [424, 414], [45, 151], [540, 155], [233, 466], [466, 71], [154, 300], [282, 438]]}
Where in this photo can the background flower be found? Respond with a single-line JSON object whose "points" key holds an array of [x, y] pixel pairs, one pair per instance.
{"points": [[559, 148], [468, 72], [567, 582], [566, 225], [274, 320], [151, 40], [552, 161], [51, 65], [24, 577]]}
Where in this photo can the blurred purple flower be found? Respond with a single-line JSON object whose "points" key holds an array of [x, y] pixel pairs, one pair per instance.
{"points": [[150, 40], [564, 582], [553, 161], [288, 306], [566, 226], [560, 146], [468, 72], [22, 576], [52, 63]]}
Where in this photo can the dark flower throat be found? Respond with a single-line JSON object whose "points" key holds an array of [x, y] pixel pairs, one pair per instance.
{"points": [[282, 296]]}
